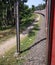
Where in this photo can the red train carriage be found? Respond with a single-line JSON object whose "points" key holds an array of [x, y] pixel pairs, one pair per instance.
{"points": [[51, 31]]}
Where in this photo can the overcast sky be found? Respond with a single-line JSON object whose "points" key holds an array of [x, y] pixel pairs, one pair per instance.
{"points": [[34, 2]]}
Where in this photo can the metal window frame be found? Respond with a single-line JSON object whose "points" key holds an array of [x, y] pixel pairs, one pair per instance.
{"points": [[49, 24]]}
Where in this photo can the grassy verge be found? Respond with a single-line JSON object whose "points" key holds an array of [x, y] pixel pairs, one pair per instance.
{"points": [[10, 59], [6, 34], [27, 22]]}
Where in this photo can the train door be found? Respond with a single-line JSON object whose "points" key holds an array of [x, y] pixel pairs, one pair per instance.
{"points": [[51, 32]]}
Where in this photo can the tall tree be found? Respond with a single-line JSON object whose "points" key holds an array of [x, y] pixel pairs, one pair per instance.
{"points": [[33, 8]]}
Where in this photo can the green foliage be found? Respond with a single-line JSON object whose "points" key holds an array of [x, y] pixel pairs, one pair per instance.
{"points": [[10, 59], [44, 0], [33, 8], [41, 6], [7, 17]]}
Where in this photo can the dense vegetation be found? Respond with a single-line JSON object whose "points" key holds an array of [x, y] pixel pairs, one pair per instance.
{"points": [[8, 17], [10, 57], [7, 20], [41, 6], [7, 14]]}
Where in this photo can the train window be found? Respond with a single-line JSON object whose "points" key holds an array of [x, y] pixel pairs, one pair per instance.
{"points": [[23, 32]]}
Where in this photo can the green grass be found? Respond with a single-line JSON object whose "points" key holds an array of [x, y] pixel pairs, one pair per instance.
{"points": [[10, 59], [27, 22], [8, 33]]}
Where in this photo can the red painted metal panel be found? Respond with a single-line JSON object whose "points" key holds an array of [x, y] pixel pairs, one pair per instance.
{"points": [[53, 42], [51, 21]]}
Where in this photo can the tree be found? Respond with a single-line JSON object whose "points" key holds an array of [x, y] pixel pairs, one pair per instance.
{"points": [[33, 8], [7, 12], [41, 6], [44, 0]]}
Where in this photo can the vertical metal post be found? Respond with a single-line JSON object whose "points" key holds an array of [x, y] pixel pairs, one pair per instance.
{"points": [[49, 43], [17, 27]]}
